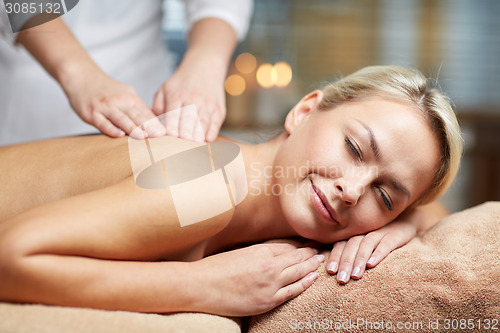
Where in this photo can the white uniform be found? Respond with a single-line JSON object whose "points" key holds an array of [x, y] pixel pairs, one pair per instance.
{"points": [[122, 36]]}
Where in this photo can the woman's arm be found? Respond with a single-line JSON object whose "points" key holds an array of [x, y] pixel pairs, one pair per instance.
{"points": [[109, 105], [118, 222], [243, 282], [351, 257], [79, 252]]}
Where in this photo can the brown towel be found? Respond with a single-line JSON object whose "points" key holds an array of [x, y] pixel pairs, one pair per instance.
{"points": [[445, 281]]}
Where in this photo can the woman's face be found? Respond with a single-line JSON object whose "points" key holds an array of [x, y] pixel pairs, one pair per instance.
{"points": [[352, 169]]}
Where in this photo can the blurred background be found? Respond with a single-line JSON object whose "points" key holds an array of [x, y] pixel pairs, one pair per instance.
{"points": [[295, 46]]}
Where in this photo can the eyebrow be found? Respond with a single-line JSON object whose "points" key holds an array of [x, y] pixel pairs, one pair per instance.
{"points": [[398, 186], [374, 148], [373, 142]]}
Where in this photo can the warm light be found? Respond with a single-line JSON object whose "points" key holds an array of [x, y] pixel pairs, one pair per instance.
{"points": [[283, 74], [278, 75], [235, 85], [245, 63], [266, 76]]}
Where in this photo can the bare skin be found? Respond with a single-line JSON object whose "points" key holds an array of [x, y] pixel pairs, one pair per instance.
{"points": [[93, 190], [84, 225]]}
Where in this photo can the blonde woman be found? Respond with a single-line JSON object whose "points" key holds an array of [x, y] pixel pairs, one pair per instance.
{"points": [[76, 229]]}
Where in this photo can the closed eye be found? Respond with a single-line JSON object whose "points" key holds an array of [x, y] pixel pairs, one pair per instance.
{"points": [[353, 148], [385, 198]]}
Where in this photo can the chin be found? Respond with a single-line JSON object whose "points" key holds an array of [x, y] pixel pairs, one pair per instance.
{"points": [[310, 229], [299, 217]]}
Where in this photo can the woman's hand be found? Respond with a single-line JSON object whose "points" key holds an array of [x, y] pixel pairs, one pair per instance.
{"points": [[350, 258], [254, 279], [111, 106], [199, 80], [114, 108], [198, 84]]}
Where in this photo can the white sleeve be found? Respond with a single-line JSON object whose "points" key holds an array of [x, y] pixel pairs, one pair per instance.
{"points": [[5, 28], [235, 12]]}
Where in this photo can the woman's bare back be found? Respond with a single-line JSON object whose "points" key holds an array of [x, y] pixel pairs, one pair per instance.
{"points": [[35, 173], [81, 189]]}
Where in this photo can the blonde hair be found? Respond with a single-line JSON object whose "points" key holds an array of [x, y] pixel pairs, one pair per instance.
{"points": [[407, 86]]}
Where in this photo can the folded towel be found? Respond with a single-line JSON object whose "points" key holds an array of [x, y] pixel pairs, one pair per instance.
{"points": [[448, 280], [28, 318]]}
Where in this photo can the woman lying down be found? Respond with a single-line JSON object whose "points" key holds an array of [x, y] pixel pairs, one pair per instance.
{"points": [[76, 229]]}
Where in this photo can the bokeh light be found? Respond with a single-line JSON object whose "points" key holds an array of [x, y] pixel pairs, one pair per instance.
{"points": [[245, 63], [279, 75], [235, 85], [266, 75], [283, 74]]}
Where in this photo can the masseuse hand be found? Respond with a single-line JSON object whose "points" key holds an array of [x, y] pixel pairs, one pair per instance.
{"points": [[254, 279], [350, 258], [111, 106], [114, 108], [198, 84], [199, 80]]}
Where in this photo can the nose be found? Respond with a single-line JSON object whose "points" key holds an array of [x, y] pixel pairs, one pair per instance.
{"points": [[348, 196], [349, 188]]}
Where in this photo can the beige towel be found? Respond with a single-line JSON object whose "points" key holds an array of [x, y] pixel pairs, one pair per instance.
{"points": [[17, 318], [446, 281], [453, 273]]}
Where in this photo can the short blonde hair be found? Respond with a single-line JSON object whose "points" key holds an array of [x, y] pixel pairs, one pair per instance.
{"points": [[407, 86]]}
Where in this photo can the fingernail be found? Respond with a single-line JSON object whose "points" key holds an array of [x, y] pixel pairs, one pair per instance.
{"points": [[157, 133], [313, 276], [332, 267], [356, 272], [343, 277], [315, 250], [371, 261], [320, 258], [121, 133], [137, 135]]}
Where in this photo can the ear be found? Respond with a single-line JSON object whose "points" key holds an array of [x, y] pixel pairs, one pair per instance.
{"points": [[302, 110]]}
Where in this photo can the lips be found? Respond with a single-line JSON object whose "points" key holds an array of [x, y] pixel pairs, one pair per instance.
{"points": [[321, 204]]}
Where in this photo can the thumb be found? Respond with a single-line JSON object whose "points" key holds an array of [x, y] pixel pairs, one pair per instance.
{"points": [[159, 103]]}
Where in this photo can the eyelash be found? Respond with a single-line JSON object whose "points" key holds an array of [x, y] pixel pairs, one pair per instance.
{"points": [[385, 199], [353, 148], [356, 152]]}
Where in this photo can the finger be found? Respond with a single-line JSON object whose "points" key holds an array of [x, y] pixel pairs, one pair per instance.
{"points": [[296, 256], [334, 259], [198, 133], [120, 120], [189, 119], [347, 259], [365, 250], [154, 128], [386, 245], [106, 126], [213, 127], [171, 110], [172, 119], [294, 289], [297, 271], [280, 248], [205, 114], [141, 115], [159, 103]]}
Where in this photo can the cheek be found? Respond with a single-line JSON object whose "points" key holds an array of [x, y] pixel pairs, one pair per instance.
{"points": [[368, 217]]}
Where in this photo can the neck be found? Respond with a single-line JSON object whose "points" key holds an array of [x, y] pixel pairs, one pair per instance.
{"points": [[258, 217]]}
